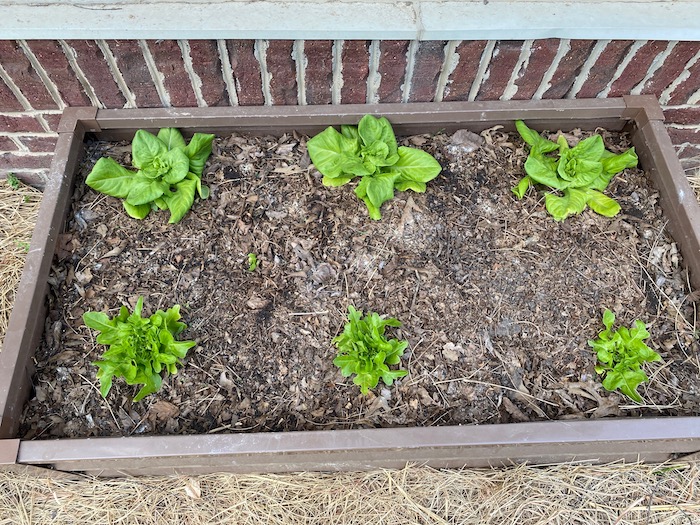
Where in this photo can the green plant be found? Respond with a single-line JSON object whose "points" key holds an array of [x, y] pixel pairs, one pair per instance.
{"points": [[369, 150], [252, 262], [620, 356], [139, 347], [13, 181], [577, 175], [23, 245], [168, 173], [363, 350]]}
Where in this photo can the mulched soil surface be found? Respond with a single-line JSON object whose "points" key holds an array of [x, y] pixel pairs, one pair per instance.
{"points": [[497, 300]]}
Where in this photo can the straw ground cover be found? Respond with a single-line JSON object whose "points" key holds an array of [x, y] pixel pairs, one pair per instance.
{"points": [[568, 494], [18, 209]]}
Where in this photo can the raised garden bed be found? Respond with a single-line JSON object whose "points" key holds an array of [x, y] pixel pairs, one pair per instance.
{"points": [[462, 266]]}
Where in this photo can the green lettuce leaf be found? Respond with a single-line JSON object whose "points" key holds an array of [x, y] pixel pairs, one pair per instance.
{"points": [[415, 165], [172, 138], [330, 150], [380, 188], [614, 164], [140, 211], [144, 190], [108, 177], [543, 170], [572, 202], [377, 130], [521, 188], [591, 148], [602, 204], [145, 149], [180, 201], [198, 151]]}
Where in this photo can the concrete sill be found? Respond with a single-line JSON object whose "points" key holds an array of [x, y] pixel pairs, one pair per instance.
{"points": [[352, 19]]}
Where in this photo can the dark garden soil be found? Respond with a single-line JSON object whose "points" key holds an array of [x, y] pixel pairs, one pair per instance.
{"points": [[497, 299]]}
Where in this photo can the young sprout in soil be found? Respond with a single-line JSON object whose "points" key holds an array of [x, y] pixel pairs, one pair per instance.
{"points": [[252, 262], [369, 150], [139, 348], [363, 350], [577, 176], [620, 356], [169, 172]]}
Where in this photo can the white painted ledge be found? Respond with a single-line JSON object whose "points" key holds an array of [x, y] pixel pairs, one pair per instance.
{"points": [[351, 19]]}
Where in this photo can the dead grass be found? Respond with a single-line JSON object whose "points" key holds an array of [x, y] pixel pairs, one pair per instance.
{"points": [[568, 494], [18, 210]]}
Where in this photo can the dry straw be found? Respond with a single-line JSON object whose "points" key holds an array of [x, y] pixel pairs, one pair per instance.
{"points": [[569, 494], [18, 210]]}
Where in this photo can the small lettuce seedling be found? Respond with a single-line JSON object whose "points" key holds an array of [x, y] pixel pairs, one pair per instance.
{"points": [[369, 150], [363, 350], [168, 173], [620, 356], [252, 262], [578, 176], [139, 348]]}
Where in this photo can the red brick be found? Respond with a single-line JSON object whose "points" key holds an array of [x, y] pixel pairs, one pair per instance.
{"points": [[426, 70], [542, 53], [19, 123], [17, 161], [54, 61], [283, 72], [569, 68], [246, 72], [392, 69], [7, 144], [637, 69], [689, 155], [687, 87], [8, 100], [672, 67], [133, 68], [168, 58], [688, 151], [681, 136], [39, 144], [319, 71], [460, 81], [683, 115], [93, 65], [503, 61], [24, 76], [207, 64], [53, 120], [355, 59], [604, 68]]}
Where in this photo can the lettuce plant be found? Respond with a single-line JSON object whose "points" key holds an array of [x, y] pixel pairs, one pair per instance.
{"points": [[577, 175], [363, 350], [168, 173], [620, 356], [369, 150], [140, 348]]}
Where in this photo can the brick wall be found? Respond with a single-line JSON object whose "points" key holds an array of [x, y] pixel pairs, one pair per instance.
{"points": [[40, 78]]}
